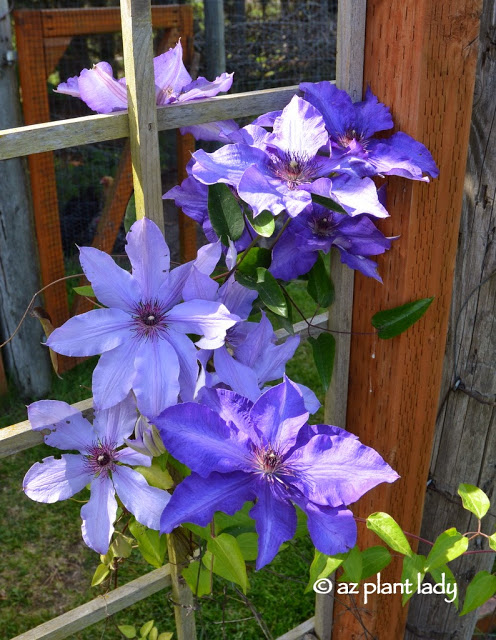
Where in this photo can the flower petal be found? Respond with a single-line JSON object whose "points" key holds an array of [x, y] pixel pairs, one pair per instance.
{"points": [[149, 256], [157, 376], [279, 414], [202, 317], [188, 363], [239, 377], [355, 195], [91, 333], [99, 514], [238, 299], [117, 422], [334, 470], [202, 88], [275, 519], [170, 74], [53, 480], [100, 90], [300, 129], [199, 286], [114, 374], [333, 530], [113, 286], [196, 499], [68, 429], [201, 439], [227, 164], [132, 457], [146, 503]]}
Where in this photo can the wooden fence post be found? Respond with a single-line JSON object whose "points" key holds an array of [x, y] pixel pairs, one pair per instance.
{"points": [[420, 59]]}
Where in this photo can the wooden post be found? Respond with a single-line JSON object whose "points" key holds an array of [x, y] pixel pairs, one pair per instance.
{"points": [[465, 446], [420, 60], [27, 361], [215, 49], [349, 76], [137, 39]]}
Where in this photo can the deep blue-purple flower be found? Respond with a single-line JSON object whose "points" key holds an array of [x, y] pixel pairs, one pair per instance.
{"points": [[143, 332], [318, 229], [241, 451]]}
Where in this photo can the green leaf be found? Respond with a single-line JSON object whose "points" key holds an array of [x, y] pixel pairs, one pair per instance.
{"points": [[474, 500], [324, 350], [271, 293], [322, 566], [320, 286], [388, 530], [153, 635], [199, 585], [392, 322], [327, 202], [492, 541], [228, 559], [130, 215], [481, 588], [236, 524], [100, 574], [254, 258], [248, 544], [121, 546], [374, 559], [352, 566], [264, 224], [167, 635], [146, 628], [155, 476], [448, 546], [414, 572], [448, 579], [301, 523], [86, 290], [150, 543], [225, 213], [127, 630]]}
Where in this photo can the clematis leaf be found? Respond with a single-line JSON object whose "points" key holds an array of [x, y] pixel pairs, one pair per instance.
{"points": [[127, 630], [130, 215], [146, 628], [352, 566], [197, 577], [150, 543], [225, 213], [327, 202], [413, 571], [324, 350], [322, 566], [320, 285], [383, 525], [48, 328], [264, 224], [254, 258], [100, 574], [392, 322], [448, 546], [248, 544], [481, 588], [374, 559], [85, 290], [444, 575], [474, 500], [271, 293], [228, 559]]}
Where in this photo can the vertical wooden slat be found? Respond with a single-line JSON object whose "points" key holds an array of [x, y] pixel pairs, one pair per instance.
{"points": [[349, 76], [420, 59], [33, 73], [143, 133]]}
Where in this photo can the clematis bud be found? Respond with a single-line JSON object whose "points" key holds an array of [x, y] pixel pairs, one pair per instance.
{"points": [[147, 439]]}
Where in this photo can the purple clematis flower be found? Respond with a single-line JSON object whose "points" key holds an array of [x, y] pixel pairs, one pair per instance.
{"points": [[101, 462], [98, 88], [351, 127], [318, 229], [142, 335], [239, 451], [279, 171]]}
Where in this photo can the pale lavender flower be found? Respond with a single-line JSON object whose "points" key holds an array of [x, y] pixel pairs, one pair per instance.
{"points": [[240, 451], [143, 334], [98, 88], [101, 462]]}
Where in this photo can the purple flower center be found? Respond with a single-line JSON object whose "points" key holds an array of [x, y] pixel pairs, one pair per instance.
{"points": [[322, 225], [293, 168], [149, 319], [350, 135], [269, 463], [101, 458]]}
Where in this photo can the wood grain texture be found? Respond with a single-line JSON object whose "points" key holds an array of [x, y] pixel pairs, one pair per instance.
{"points": [[420, 60], [465, 443], [349, 77], [69, 623], [22, 141], [41, 166], [137, 41]]}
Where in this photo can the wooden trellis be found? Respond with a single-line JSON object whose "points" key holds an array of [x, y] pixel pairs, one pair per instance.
{"points": [[420, 58]]}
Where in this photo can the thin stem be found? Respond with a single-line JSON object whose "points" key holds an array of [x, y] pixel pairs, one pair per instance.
{"points": [[281, 231], [76, 275]]}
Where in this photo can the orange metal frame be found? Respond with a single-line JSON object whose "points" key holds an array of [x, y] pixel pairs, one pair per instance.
{"points": [[42, 38]]}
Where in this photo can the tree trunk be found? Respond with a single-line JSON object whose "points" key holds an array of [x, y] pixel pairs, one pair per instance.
{"points": [[27, 361], [465, 445]]}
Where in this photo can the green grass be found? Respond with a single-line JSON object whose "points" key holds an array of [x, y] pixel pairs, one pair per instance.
{"points": [[47, 569]]}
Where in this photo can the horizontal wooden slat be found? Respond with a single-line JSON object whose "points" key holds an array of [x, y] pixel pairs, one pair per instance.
{"points": [[48, 136], [21, 436], [100, 608], [300, 631]]}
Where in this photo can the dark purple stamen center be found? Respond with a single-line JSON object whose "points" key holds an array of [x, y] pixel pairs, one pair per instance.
{"points": [[350, 135], [293, 168], [270, 464], [101, 458], [322, 225], [149, 319]]}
